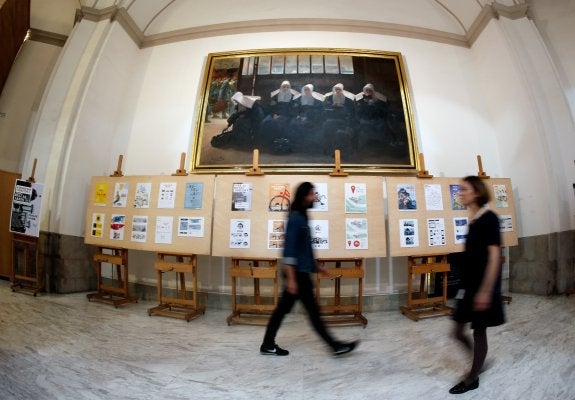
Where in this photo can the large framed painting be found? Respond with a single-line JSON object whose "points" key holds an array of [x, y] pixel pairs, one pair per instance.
{"points": [[297, 106]]}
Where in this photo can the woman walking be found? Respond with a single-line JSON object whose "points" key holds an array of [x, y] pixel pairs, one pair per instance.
{"points": [[299, 264], [480, 300]]}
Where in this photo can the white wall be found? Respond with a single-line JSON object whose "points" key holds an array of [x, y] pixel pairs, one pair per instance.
{"points": [[143, 104]]}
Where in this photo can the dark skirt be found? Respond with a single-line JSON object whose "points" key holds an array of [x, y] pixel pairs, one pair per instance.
{"points": [[493, 316]]}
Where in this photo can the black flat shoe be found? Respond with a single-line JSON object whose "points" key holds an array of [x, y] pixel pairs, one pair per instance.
{"points": [[461, 387]]}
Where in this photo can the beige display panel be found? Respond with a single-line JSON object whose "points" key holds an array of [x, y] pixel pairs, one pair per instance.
{"points": [[136, 233], [336, 215], [400, 221]]}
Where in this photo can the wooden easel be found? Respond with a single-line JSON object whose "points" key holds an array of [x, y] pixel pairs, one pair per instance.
{"points": [[27, 272], [254, 313], [483, 175], [116, 293], [255, 170], [337, 169], [180, 306], [338, 313], [420, 305]]}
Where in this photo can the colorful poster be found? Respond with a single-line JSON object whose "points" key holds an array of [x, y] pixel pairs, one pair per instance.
{"points": [[242, 197], [240, 233], [505, 223], [26, 208], [279, 197], [143, 195], [98, 225], [164, 229], [500, 192], [320, 199], [408, 233], [433, 197], [460, 226], [101, 194], [120, 194], [436, 231], [319, 230], [456, 203], [356, 237], [406, 198], [276, 234], [117, 225], [193, 195], [167, 195], [191, 226], [355, 198], [139, 228]]}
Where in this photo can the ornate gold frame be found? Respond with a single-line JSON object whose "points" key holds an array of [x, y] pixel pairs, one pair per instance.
{"points": [[392, 152]]}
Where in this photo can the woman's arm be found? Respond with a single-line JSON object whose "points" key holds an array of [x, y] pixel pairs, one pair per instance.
{"points": [[484, 295]]}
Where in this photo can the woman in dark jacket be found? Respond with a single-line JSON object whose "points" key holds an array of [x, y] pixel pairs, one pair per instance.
{"points": [[299, 263], [480, 297]]}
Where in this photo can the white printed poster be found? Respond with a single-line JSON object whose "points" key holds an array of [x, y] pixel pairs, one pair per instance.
{"points": [[117, 225], [355, 198], [505, 223], [164, 229], [26, 208], [98, 220], [356, 237], [320, 199], [143, 195], [240, 233], [408, 233], [120, 194], [276, 234], [433, 197], [242, 197], [319, 230], [191, 226], [436, 231], [460, 227], [167, 195], [500, 192], [406, 197], [139, 228]]}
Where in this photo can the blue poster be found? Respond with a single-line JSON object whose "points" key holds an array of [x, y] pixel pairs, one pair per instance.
{"points": [[193, 195]]}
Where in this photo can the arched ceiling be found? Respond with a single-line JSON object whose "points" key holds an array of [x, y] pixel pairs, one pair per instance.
{"points": [[169, 20]]}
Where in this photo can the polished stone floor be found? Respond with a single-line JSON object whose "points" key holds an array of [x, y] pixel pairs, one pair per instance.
{"points": [[64, 347]]}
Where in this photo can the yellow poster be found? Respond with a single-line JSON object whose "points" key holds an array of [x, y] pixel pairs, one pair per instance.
{"points": [[101, 194]]}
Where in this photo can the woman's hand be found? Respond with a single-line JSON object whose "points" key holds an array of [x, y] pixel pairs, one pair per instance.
{"points": [[482, 301]]}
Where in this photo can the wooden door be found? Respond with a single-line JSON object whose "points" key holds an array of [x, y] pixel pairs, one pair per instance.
{"points": [[7, 181]]}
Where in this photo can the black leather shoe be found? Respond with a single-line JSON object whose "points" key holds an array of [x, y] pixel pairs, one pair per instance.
{"points": [[342, 348], [461, 387]]}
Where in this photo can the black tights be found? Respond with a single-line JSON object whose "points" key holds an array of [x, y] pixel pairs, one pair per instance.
{"points": [[306, 295], [479, 348]]}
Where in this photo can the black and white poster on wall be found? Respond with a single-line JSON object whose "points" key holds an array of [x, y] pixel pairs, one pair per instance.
{"points": [[26, 208]]}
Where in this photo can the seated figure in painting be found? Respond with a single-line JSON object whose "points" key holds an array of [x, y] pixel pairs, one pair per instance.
{"points": [[306, 124], [339, 118], [279, 113], [371, 113], [243, 124]]}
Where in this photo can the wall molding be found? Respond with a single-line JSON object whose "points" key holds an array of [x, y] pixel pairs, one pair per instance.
{"points": [[122, 16], [54, 39]]}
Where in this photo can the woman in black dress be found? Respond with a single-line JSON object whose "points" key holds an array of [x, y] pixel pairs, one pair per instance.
{"points": [[480, 296]]}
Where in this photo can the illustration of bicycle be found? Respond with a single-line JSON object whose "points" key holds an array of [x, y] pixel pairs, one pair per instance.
{"points": [[280, 202]]}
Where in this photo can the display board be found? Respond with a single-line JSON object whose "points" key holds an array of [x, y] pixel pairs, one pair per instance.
{"points": [[154, 213], [347, 220], [426, 216]]}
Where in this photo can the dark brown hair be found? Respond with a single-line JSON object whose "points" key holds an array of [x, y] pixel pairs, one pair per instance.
{"points": [[479, 188]]}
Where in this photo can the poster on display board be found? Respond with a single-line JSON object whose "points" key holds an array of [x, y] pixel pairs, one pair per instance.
{"points": [[26, 208]]}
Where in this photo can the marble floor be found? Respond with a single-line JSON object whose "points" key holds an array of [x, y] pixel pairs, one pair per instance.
{"points": [[64, 347]]}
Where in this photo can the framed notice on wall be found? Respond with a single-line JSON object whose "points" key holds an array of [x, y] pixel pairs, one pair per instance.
{"points": [[26, 208]]}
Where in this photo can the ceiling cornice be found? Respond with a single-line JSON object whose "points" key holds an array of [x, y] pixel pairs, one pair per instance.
{"points": [[54, 39], [488, 12]]}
